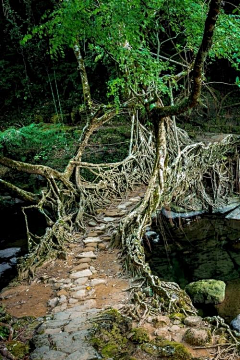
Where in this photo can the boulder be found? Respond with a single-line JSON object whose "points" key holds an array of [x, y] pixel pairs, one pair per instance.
{"points": [[197, 337], [193, 321], [206, 291], [235, 323]]}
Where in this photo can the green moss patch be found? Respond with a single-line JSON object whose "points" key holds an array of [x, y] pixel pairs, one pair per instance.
{"points": [[114, 338], [165, 349], [18, 349], [21, 329], [139, 335], [109, 335], [207, 291]]}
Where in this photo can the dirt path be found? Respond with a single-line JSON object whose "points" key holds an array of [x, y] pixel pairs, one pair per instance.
{"points": [[74, 289], [67, 293]]}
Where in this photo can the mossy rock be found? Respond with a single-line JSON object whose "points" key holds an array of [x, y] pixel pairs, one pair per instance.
{"points": [[110, 350], [139, 335], [150, 348], [109, 335], [197, 337], [207, 291], [18, 349], [177, 316], [167, 349], [173, 350]]}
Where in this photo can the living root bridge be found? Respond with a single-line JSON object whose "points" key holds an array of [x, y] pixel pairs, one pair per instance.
{"points": [[66, 203], [175, 169], [188, 174]]}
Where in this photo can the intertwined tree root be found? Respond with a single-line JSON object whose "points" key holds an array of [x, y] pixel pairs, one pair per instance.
{"points": [[175, 169]]}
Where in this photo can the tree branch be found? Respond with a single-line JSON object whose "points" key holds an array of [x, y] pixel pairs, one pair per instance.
{"points": [[90, 127], [25, 195], [84, 78], [206, 44], [42, 170]]}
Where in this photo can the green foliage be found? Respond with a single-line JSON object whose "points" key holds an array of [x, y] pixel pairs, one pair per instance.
{"points": [[122, 43], [38, 143], [4, 332], [132, 35], [227, 39]]}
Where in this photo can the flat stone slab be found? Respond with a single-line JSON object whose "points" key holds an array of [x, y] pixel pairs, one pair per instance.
{"points": [[64, 281], [81, 274], [112, 214], [53, 331], [61, 316], [88, 254], [77, 324], [44, 354], [123, 206], [95, 233], [79, 267], [92, 239], [84, 354], [107, 238], [78, 287], [90, 248], [59, 308], [95, 282], [135, 199], [80, 294], [53, 324], [108, 219], [81, 281], [100, 227], [84, 260], [88, 304], [72, 301]]}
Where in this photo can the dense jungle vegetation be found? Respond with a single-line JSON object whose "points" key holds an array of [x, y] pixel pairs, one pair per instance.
{"points": [[121, 73]]}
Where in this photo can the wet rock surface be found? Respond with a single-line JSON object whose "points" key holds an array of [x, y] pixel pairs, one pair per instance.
{"points": [[235, 323]]}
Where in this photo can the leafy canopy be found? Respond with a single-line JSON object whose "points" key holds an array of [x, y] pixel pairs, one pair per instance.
{"points": [[143, 43]]}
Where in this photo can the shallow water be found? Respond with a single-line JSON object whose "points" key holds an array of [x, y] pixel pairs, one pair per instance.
{"points": [[13, 239], [206, 248]]}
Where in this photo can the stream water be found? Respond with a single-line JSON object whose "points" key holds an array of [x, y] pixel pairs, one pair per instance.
{"points": [[13, 240], [206, 248]]}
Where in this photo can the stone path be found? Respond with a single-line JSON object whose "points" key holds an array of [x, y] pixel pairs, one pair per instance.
{"points": [[93, 283]]}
